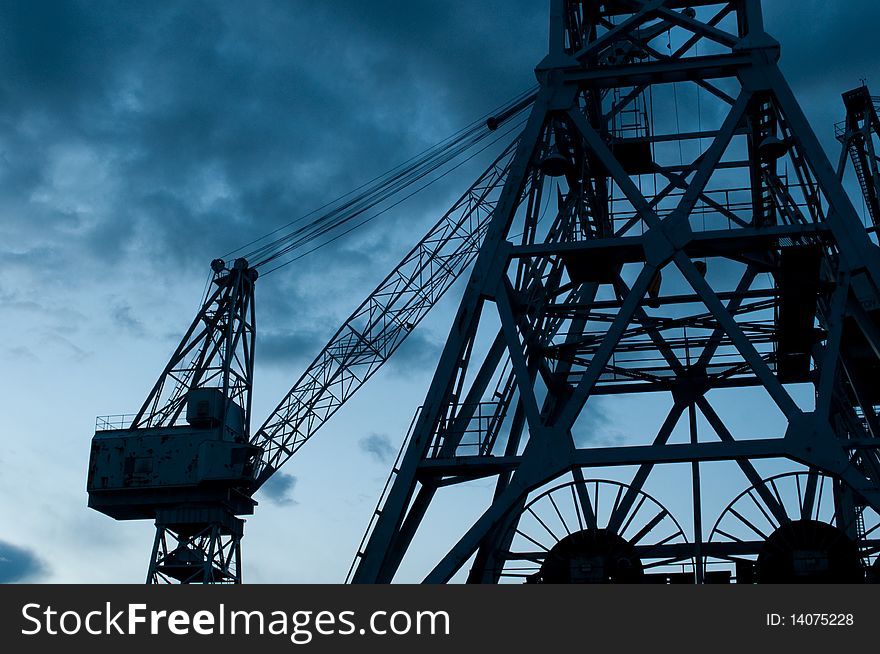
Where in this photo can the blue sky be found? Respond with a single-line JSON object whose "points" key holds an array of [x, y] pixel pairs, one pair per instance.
{"points": [[140, 141]]}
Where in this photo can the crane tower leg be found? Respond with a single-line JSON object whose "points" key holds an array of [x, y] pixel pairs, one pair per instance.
{"points": [[699, 258]]}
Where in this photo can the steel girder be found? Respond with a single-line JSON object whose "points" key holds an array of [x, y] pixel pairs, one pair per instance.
{"points": [[743, 265], [374, 331], [207, 551], [215, 353], [857, 134]]}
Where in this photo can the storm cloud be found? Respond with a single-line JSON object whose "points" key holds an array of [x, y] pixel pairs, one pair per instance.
{"points": [[279, 488], [378, 446], [19, 564], [177, 131], [138, 141]]}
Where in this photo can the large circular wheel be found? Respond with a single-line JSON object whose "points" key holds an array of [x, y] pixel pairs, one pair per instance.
{"points": [[592, 556], [797, 527], [597, 531], [809, 551]]}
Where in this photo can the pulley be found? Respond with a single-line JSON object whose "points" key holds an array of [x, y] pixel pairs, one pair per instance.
{"points": [[809, 551], [555, 164], [772, 148], [591, 556]]}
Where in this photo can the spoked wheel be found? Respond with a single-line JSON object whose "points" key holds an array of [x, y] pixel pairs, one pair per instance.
{"points": [[597, 531], [797, 527]]}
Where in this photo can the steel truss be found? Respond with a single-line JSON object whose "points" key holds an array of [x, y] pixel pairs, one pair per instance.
{"points": [[196, 547], [199, 541], [194, 475], [681, 260], [217, 351], [858, 134], [382, 322]]}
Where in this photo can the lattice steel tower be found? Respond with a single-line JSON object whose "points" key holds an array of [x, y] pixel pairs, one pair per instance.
{"points": [[670, 233], [184, 459]]}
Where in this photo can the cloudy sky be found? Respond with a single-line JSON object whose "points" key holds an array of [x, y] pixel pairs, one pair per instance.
{"points": [[138, 141]]}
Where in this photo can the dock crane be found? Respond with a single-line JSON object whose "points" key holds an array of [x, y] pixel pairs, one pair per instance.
{"points": [[188, 458]]}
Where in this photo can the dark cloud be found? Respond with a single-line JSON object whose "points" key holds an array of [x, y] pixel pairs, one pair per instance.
{"points": [[417, 355], [183, 129], [279, 488], [123, 318], [19, 564], [299, 316], [293, 325], [20, 353], [827, 48], [168, 134], [824, 41], [172, 132], [140, 140], [595, 426], [287, 348], [206, 124], [378, 446]]}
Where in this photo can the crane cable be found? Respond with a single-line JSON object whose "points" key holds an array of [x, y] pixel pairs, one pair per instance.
{"points": [[387, 186], [397, 202], [337, 213], [355, 207]]}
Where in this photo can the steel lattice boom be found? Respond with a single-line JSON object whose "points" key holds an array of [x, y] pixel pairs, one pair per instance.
{"points": [[377, 328]]}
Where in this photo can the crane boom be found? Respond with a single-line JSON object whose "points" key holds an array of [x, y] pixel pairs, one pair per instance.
{"points": [[382, 322], [188, 459]]}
